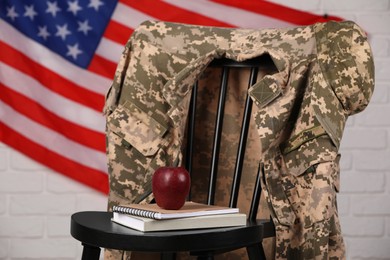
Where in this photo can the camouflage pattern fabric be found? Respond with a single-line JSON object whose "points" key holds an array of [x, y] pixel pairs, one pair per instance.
{"points": [[325, 73]]}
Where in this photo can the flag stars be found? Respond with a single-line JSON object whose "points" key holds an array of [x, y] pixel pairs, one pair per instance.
{"points": [[43, 32], [11, 13], [74, 7], [52, 8], [73, 51], [95, 4], [72, 29], [62, 31], [30, 12], [84, 27]]}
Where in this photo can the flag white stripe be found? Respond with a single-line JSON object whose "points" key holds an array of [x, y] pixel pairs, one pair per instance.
{"points": [[130, 17], [57, 104], [52, 140], [52, 61], [110, 50], [231, 15]]}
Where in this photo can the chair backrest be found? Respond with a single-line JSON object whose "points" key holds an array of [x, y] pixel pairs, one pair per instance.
{"points": [[227, 87]]}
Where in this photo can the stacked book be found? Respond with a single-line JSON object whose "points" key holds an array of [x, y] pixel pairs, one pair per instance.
{"points": [[150, 217]]}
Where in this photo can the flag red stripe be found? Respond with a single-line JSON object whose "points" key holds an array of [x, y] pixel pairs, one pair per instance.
{"points": [[41, 115], [93, 178], [276, 11], [102, 66], [117, 32], [49, 79], [168, 12]]}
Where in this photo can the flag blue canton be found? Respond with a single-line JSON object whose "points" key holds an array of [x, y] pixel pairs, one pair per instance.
{"points": [[72, 29]]}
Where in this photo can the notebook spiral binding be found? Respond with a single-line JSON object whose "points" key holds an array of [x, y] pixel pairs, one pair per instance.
{"points": [[135, 212]]}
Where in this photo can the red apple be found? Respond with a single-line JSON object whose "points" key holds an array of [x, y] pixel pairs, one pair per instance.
{"points": [[170, 186]]}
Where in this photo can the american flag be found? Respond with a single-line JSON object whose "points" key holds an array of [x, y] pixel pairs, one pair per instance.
{"points": [[57, 60]]}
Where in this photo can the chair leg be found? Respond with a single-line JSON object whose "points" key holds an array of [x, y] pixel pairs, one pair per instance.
{"points": [[255, 252], [90, 252], [168, 256]]}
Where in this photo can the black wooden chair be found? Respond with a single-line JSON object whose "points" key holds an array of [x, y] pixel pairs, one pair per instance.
{"points": [[95, 229]]}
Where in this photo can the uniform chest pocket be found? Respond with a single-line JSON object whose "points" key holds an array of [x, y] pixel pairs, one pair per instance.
{"points": [[136, 128]]}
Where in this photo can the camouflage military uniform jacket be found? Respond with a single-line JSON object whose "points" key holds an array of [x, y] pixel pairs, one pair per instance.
{"points": [[325, 73]]}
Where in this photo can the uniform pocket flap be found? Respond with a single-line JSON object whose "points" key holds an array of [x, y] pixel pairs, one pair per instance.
{"points": [[304, 156], [137, 128]]}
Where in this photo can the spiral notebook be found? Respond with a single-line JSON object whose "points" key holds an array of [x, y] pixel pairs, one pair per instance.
{"points": [[190, 209]]}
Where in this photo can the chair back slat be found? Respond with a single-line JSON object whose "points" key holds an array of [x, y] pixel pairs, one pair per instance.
{"points": [[256, 196], [242, 142], [191, 131], [217, 135]]}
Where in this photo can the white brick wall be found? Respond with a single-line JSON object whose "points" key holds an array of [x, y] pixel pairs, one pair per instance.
{"points": [[36, 204], [35, 209]]}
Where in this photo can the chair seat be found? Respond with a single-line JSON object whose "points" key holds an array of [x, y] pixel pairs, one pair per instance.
{"points": [[96, 229]]}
